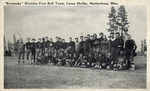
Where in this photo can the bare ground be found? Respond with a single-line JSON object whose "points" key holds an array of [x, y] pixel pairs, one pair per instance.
{"points": [[53, 77]]}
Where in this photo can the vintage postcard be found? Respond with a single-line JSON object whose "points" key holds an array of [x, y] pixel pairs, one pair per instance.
{"points": [[83, 45]]}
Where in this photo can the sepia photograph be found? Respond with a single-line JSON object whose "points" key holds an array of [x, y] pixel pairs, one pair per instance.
{"points": [[75, 47]]}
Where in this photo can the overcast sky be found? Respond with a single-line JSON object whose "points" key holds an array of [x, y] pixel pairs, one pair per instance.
{"points": [[68, 21]]}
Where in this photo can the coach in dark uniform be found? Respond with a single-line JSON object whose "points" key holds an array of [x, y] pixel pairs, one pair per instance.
{"points": [[28, 45], [130, 47]]}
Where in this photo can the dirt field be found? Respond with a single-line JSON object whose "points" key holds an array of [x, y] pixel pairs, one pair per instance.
{"points": [[46, 76]]}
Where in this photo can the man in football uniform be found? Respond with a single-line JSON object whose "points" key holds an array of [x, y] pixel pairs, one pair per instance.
{"points": [[28, 45], [43, 46], [71, 46], [91, 43], [38, 47], [120, 43], [100, 40], [21, 50], [96, 49], [130, 47], [87, 45], [46, 45], [33, 50], [81, 45], [113, 50], [77, 45], [56, 44]]}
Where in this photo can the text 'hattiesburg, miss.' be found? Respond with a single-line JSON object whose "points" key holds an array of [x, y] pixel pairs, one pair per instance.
{"points": [[61, 3]]}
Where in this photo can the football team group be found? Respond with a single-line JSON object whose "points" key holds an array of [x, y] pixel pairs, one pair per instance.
{"points": [[115, 52]]}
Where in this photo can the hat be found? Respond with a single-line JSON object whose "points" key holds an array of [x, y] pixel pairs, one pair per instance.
{"points": [[56, 36], [39, 39], [46, 37]]}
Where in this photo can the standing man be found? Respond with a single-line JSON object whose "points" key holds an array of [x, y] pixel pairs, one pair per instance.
{"points": [[113, 51], [81, 45], [51, 49], [120, 43], [91, 43], [60, 44], [100, 40], [105, 44], [38, 47], [56, 44], [46, 45], [43, 46], [130, 48], [33, 51], [28, 45], [71, 46], [64, 46], [87, 45], [96, 46], [77, 45], [21, 50]]}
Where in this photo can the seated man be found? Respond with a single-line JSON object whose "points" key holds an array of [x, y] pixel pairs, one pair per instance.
{"points": [[91, 60], [61, 59], [45, 58], [100, 61], [39, 58], [79, 59]]}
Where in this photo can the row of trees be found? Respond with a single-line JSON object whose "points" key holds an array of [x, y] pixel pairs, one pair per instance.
{"points": [[118, 21]]}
